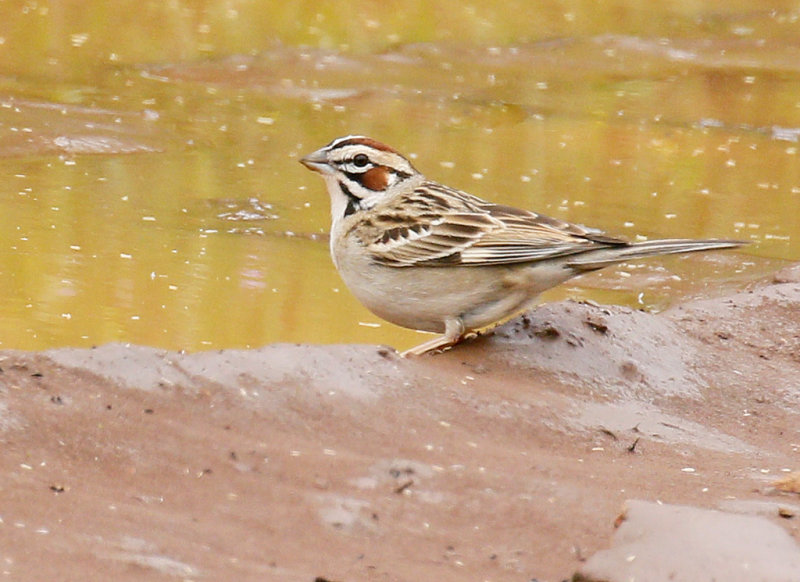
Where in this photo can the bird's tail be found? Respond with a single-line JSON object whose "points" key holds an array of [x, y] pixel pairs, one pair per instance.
{"points": [[608, 256]]}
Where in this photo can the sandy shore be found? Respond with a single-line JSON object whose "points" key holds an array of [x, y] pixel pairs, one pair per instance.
{"points": [[596, 440]]}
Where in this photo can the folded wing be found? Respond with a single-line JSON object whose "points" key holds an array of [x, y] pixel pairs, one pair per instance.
{"points": [[437, 226]]}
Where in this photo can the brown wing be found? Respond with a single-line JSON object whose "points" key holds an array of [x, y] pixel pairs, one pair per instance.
{"points": [[455, 228]]}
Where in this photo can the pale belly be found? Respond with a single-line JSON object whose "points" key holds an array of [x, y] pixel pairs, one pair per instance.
{"points": [[424, 298]]}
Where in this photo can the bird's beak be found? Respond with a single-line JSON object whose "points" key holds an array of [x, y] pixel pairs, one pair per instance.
{"points": [[318, 162]]}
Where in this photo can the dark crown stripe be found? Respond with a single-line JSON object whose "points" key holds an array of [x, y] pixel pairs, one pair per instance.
{"points": [[360, 140]]}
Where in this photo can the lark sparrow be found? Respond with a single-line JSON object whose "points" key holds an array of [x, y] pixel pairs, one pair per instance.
{"points": [[429, 257]]}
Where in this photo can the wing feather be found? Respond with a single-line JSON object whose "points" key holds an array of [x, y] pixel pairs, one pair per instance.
{"points": [[452, 227]]}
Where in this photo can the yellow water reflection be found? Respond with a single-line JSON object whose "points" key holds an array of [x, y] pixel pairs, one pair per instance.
{"points": [[151, 191]]}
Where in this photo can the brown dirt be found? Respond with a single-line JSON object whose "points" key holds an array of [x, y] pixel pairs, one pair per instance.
{"points": [[507, 458]]}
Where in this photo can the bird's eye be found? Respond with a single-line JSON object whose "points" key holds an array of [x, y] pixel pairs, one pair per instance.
{"points": [[361, 160]]}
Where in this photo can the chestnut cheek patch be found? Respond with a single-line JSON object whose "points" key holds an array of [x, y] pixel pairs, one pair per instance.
{"points": [[375, 179]]}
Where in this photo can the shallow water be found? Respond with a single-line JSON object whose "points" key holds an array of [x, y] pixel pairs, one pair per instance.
{"points": [[151, 191]]}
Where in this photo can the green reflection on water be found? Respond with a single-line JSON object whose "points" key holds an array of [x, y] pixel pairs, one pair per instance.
{"points": [[209, 234]]}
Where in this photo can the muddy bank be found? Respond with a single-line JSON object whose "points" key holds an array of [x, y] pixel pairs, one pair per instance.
{"points": [[512, 457]]}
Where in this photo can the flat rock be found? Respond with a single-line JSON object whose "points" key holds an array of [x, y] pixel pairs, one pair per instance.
{"points": [[673, 543]]}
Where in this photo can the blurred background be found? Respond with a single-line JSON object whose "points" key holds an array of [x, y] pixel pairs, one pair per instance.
{"points": [[151, 193]]}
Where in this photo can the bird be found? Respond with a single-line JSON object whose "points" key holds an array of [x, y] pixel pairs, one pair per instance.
{"points": [[429, 257]]}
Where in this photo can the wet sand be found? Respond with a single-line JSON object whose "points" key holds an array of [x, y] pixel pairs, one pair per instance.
{"points": [[600, 440]]}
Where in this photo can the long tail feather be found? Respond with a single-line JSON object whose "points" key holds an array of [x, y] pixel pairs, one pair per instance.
{"points": [[604, 257]]}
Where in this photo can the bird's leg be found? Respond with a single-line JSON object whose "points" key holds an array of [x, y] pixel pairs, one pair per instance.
{"points": [[453, 333]]}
